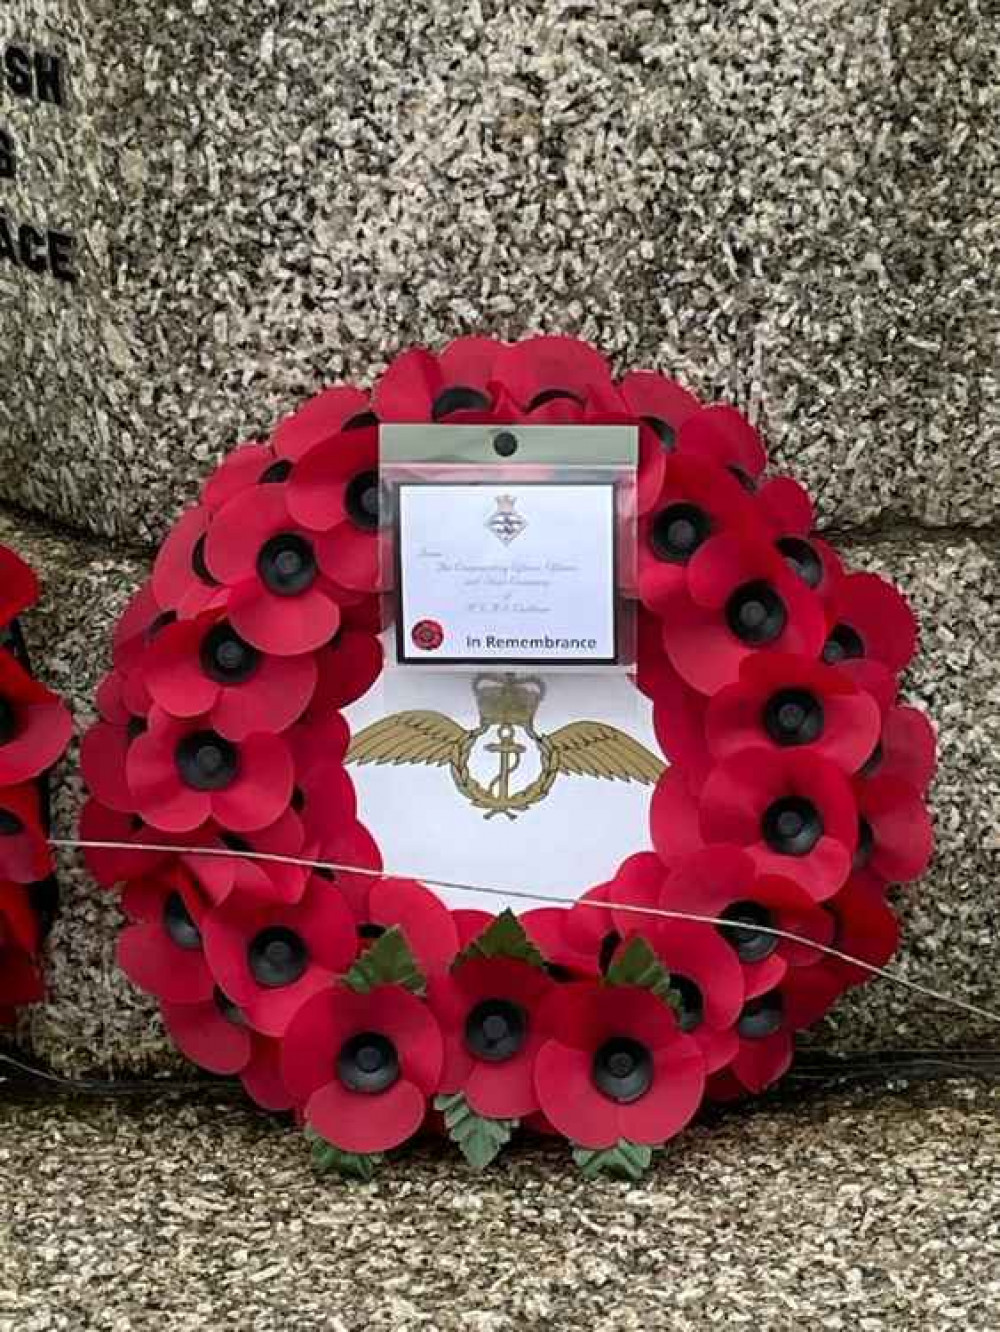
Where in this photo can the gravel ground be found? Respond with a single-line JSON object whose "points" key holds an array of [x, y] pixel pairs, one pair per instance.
{"points": [[864, 1211]]}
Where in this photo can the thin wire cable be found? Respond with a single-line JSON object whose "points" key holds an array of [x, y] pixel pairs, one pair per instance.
{"points": [[550, 899]]}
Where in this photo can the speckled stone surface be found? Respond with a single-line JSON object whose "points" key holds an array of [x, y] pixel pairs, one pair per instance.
{"points": [[791, 204], [96, 1022], [850, 1214]]}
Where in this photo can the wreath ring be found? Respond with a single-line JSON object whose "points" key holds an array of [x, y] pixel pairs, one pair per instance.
{"points": [[794, 796]]}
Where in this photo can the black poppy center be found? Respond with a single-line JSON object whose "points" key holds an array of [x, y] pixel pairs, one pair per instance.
{"points": [[10, 824], [207, 761], [866, 845], [160, 623], [459, 398], [761, 1017], [553, 395], [677, 531], [623, 1069], [178, 924], [756, 614], [287, 564], [361, 500], [802, 559], [277, 472], [368, 1063], [665, 433], [793, 717], [743, 477], [792, 826], [199, 567], [277, 956], [8, 721], [496, 1029], [227, 1009], [227, 658], [874, 760], [692, 1013], [743, 929], [843, 644]]}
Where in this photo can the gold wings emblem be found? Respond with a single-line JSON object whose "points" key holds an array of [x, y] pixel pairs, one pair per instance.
{"points": [[581, 749]]}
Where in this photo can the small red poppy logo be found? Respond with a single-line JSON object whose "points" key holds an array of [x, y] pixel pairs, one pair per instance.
{"points": [[427, 635]]}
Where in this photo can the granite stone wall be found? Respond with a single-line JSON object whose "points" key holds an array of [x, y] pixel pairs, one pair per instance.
{"points": [[788, 203]]}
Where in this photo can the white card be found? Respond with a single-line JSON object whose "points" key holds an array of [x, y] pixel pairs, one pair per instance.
{"points": [[506, 573]]}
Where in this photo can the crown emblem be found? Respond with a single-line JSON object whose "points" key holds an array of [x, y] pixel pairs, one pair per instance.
{"points": [[503, 699], [506, 523]]}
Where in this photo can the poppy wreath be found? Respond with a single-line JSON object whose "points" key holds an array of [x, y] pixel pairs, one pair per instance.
{"points": [[793, 799], [35, 729]]}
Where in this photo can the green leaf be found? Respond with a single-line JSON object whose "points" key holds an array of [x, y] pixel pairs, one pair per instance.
{"points": [[479, 1139], [637, 964], [387, 962], [626, 1160], [503, 937], [351, 1165]]}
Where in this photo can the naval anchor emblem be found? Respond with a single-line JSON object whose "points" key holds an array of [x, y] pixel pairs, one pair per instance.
{"points": [[506, 744]]}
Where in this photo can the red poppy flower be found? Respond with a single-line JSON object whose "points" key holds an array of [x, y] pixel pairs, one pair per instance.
{"points": [[906, 749], [895, 833], [740, 599], [19, 930], [722, 882], [320, 419], [268, 880], [181, 578], [335, 490], [865, 926], [243, 467], [794, 813], [565, 958], [698, 499], [182, 773], [487, 1011], [787, 510], [470, 923], [24, 851], [203, 668], [615, 1065], [723, 434], [426, 923], [163, 951], [18, 585], [703, 967], [35, 725], [363, 1065], [792, 702], [20, 976], [674, 821], [661, 404], [20, 983], [108, 865], [870, 620], [141, 621], [282, 596], [270, 957], [550, 366], [455, 386], [214, 1035], [103, 752], [347, 668]]}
